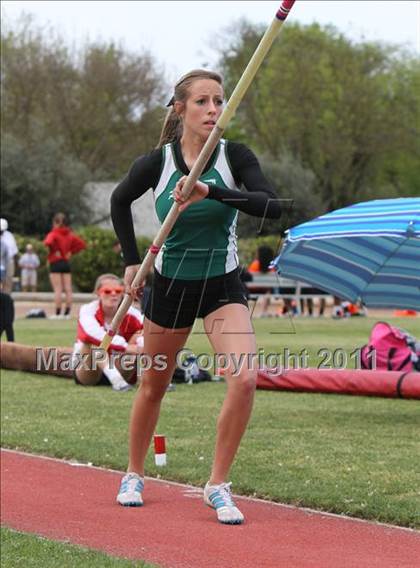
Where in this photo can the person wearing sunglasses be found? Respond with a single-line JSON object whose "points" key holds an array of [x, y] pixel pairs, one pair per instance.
{"points": [[95, 368]]}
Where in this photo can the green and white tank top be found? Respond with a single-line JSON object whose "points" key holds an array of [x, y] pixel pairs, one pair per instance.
{"points": [[203, 241]]}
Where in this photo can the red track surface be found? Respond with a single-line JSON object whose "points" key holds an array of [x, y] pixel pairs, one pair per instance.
{"points": [[174, 529]]}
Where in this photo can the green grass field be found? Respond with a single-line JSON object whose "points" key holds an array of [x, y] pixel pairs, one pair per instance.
{"points": [[21, 550], [352, 455]]}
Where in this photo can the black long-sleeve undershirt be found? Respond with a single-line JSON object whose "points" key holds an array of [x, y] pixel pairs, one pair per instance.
{"points": [[259, 200]]}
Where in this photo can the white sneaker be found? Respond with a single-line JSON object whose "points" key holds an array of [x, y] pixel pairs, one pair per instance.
{"points": [[115, 378], [121, 386], [131, 488], [219, 497]]}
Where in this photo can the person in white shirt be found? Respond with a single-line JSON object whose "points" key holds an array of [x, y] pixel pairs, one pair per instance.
{"points": [[4, 258], [7, 311], [29, 263], [93, 324], [9, 240]]}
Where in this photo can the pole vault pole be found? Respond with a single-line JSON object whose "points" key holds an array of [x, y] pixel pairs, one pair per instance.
{"points": [[204, 156]]}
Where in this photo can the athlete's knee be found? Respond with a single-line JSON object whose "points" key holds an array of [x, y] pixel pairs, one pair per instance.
{"points": [[245, 382], [153, 388], [87, 378]]}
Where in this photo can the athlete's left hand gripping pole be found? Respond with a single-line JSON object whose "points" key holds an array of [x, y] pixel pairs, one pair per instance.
{"points": [[204, 156]]}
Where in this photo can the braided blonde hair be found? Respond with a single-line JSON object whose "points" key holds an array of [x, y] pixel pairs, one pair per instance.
{"points": [[172, 127]]}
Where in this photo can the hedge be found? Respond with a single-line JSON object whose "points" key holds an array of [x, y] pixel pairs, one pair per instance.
{"points": [[99, 256]]}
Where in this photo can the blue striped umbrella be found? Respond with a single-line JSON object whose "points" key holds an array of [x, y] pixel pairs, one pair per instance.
{"points": [[368, 252]]}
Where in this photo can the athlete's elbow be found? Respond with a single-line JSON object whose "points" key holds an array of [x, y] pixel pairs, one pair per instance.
{"points": [[116, 197]]}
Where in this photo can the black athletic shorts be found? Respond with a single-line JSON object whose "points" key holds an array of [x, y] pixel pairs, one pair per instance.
{"points": [[60, 266], [177, 303], [103, 381]]}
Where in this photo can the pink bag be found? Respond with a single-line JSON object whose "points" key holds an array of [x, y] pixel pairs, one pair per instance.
{"points": [[388, 349]]}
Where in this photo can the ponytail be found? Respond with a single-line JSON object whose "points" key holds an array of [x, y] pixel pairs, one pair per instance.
{"points": [[172, 128]]}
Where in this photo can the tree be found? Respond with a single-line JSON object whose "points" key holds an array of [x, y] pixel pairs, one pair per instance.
{"points": [[294, 185], [338, 108], [99, 100], [103, 111], [39, 179], [67, 118], [400, 174], [99, 257]]}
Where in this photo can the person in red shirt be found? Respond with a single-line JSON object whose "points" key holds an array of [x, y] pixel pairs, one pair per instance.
{"points": [[62, 244], [94, 321]]}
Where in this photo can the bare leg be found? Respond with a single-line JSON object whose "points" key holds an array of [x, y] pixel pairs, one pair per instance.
{"points": [[287, 306], [55, 279], [89, 373], [45, 360], [146, 405], [66, 283], [230, 331], [337, 310], [302, 306], [265, 304], [85, 373]]}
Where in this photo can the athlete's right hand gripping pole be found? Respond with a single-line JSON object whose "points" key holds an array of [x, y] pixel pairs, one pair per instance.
{"points": [[204, 156]]}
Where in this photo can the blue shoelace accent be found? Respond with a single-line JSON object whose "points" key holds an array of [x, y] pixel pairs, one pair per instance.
{"points": [[218, 500], [125, 487]]}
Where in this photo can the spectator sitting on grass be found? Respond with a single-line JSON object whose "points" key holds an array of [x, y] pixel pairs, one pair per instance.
{"points": [[94, 320]]}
